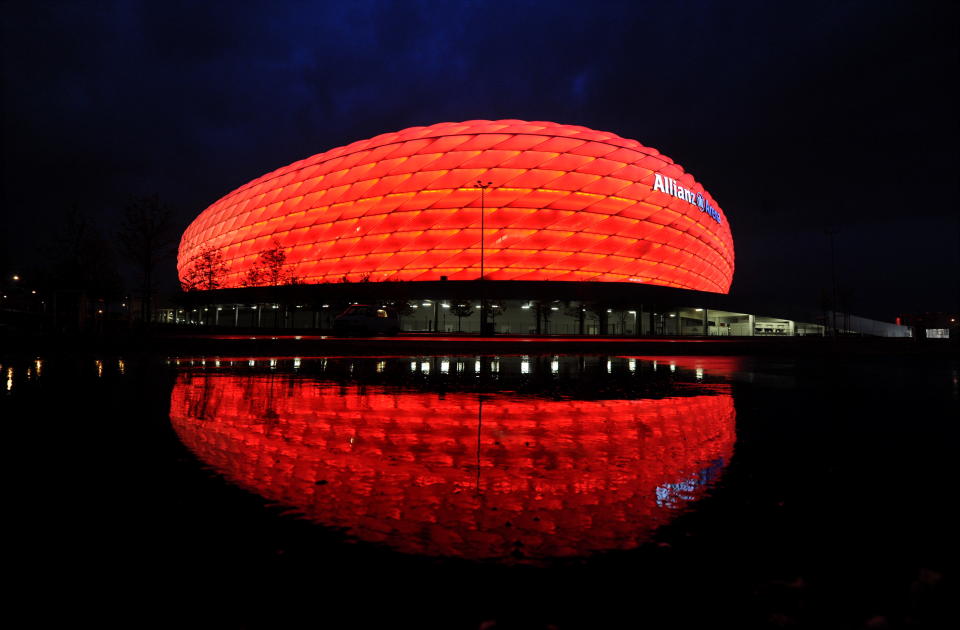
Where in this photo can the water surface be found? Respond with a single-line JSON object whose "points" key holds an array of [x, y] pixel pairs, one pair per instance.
{"points": [[463, 464]]}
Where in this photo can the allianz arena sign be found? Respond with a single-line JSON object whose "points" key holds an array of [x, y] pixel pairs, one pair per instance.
{"points": [[566, 203]]}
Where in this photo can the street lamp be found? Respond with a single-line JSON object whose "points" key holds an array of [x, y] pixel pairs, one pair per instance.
{"points": [[483, 302], [833, 277]]}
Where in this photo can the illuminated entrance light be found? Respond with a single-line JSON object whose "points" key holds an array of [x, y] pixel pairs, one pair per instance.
{"points": [[699, 310], [554, 308]]}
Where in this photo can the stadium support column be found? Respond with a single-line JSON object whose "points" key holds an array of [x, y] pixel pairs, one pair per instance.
{"points": [[751, 324], [706, 322]]}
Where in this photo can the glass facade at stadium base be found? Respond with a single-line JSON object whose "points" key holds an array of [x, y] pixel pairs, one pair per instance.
{"points": [[508, 317]]}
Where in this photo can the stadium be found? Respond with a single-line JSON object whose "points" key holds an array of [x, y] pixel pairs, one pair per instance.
{"points": [[502, 226]]}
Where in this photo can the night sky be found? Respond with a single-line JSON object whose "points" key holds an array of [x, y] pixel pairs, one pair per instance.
{"points": [[797, 117]]}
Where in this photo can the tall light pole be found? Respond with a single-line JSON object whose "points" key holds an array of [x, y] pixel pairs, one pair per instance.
{"points": [[483, 190], [483, 301], [833, 277]]}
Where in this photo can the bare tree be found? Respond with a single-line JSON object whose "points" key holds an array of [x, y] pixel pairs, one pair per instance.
{"points": [[254, 277], [622, 316], [461, 310], [543, 311], [79, 270], [206, 271], [578, 310], [270, 268], [147, 238], [598, 310], [495, 308]]}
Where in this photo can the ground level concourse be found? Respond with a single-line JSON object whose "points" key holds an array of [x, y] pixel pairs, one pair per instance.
{"points": [[519, 308], [524, 308]]}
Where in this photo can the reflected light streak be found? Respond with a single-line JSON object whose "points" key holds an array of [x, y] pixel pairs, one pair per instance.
{"points": [[545, 479]]}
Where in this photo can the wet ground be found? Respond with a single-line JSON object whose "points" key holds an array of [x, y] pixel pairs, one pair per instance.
{"points": [[480, 491]]}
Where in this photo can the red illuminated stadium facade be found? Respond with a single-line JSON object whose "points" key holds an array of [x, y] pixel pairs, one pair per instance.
{"points": [[566, 203], [502, 226]]}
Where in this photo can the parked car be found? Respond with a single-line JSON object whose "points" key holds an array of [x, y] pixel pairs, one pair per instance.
{"points": [[364, 319]]}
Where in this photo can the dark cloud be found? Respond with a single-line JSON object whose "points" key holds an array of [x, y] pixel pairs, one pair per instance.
{"points": [[797, 116]]}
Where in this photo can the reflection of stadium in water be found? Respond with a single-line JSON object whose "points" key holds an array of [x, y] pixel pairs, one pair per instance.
{"points": [[478, 475]]}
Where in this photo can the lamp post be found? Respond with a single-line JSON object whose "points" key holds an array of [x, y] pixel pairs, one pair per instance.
{"points": [[484, 328], [833, 278]]}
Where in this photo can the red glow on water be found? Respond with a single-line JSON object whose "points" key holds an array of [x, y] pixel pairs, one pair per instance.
{"points": [[555, 478], [566, 203]]}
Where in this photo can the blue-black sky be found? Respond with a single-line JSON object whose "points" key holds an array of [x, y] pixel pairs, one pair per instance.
{"points": [[795, 115]]}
